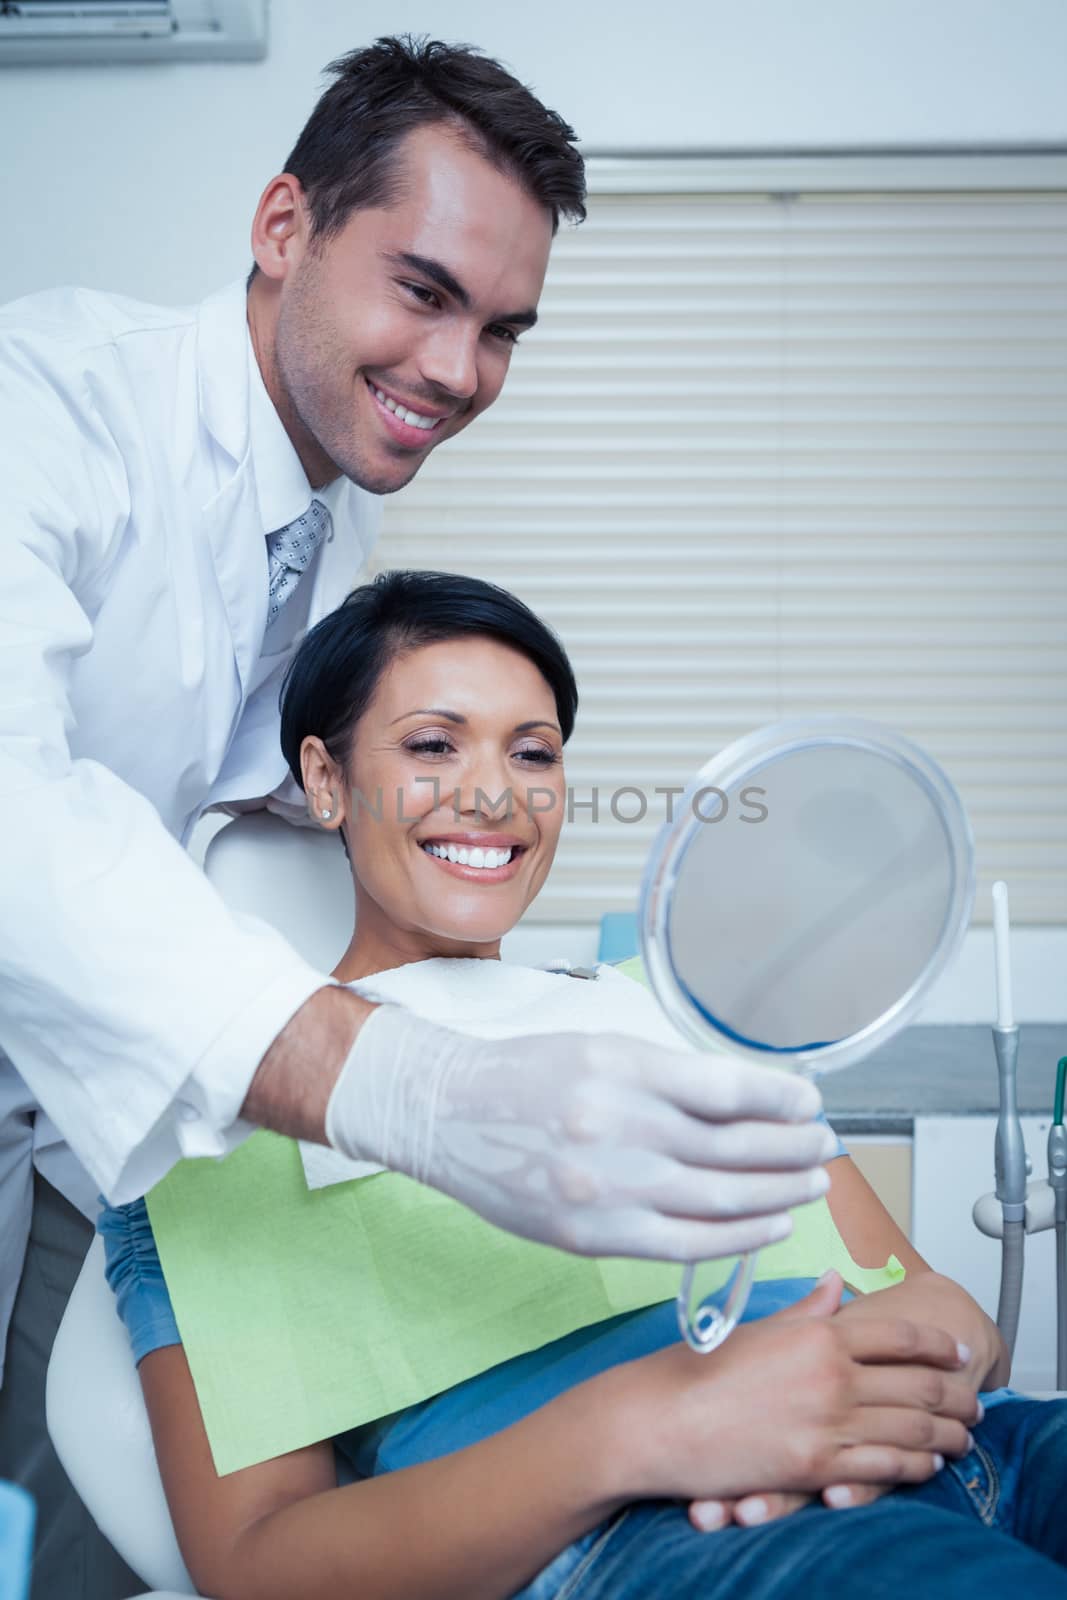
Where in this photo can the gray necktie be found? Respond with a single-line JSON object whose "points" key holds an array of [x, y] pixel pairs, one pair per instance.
{"points": [[289, 553]]}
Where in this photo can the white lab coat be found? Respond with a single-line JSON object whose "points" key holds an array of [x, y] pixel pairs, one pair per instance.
{"points": [[133, 696]]}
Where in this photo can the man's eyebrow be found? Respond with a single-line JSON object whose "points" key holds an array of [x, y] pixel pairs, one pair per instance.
{"points": [[438, 273]]}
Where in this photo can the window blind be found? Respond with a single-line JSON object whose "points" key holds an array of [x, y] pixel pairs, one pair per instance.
{"points": [[781, 452]]}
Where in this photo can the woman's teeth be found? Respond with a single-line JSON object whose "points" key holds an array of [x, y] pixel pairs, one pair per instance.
{"points": [[469, 858], [412, 418]]}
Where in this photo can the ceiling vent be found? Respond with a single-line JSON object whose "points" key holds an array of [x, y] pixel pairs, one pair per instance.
{"points": [[59, 32]]}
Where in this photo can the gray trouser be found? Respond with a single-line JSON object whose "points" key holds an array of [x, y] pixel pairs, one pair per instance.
{"points": [[72, 1559]]}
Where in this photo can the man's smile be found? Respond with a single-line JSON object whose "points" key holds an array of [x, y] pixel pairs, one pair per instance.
{"points": [[406, 425]]}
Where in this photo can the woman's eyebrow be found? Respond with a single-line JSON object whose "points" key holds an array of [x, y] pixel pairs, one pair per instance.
{"points": [[457, 717], [430, 711]]}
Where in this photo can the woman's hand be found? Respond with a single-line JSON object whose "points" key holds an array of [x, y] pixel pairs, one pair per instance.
{"points": [[925, 1296], [869, 1402], [919, 1298], [707, 1516]]}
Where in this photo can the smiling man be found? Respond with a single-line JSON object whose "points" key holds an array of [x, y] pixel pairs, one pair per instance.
{"points": [[381, 335], [184, 493]]}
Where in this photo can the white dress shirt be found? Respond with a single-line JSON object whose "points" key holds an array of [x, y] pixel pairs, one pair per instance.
{"points": [[142, 465]]}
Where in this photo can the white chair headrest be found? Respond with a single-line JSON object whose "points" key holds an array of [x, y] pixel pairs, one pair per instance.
{"points": [[297, 879]]}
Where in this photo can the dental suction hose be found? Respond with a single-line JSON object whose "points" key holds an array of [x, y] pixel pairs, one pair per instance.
{"points": [[1010, 1163], [1057, 1177]]}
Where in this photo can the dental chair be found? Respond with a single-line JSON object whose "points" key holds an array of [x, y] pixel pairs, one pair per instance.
{"points": [[295, 879]]}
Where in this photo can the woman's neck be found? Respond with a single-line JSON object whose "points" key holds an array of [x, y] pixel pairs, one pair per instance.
{"points": [[378, 948]]}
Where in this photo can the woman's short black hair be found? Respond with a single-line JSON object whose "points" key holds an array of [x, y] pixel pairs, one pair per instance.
{"points": [[345, 157], [333, 676]]}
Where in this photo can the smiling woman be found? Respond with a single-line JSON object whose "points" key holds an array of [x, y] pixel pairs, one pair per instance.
{"points": [[425, 720], [542, 1415]]}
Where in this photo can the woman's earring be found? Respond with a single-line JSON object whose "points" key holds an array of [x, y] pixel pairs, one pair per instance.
{"points": [[326, 814]]}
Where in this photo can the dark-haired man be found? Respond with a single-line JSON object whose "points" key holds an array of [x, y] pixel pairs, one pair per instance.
{"points": [[393, 333], [184, 493]]}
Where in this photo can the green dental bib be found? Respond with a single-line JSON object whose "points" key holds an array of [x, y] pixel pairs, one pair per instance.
{"points": [[304, 1313]]}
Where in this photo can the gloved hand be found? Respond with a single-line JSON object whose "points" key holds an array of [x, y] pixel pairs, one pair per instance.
{"points": [[598, 1144]]}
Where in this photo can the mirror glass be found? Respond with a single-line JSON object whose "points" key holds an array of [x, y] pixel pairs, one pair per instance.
{"points": [[816, 879]]}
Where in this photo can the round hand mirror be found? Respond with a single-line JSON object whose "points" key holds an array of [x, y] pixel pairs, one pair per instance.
{"points": [[816, 878]]}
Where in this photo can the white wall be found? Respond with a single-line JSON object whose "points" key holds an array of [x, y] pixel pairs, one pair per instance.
{"points": [[144, 179]]}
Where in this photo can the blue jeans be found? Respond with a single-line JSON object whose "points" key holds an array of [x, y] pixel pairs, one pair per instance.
{"points": [[993, 1523]]}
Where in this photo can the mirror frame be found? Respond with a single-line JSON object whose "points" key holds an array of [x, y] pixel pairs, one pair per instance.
{"points": [[740, 763]]}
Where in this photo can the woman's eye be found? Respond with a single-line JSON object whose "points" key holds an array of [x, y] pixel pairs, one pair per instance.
{"points": [[539, 756], [429, 747]]}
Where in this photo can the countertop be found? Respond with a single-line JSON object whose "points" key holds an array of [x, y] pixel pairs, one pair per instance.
{"points": [[942, 1070]]}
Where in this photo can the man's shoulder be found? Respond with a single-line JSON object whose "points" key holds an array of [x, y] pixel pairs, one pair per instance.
{"points": [[110, 364], [79, 319]]}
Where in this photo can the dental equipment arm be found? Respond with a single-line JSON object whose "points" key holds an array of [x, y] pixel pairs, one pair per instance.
{"points": [[1045, 1206], [1009, 1151], [1010, 1164], [1057, 1178]]}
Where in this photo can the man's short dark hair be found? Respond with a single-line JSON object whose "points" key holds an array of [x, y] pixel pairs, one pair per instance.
{"points": [[345, 157]]}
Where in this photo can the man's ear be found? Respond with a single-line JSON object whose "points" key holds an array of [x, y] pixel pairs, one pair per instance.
{"points": [[323, 784], [280, 227]]}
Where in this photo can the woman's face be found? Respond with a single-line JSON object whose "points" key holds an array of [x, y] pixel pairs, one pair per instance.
{"points": [[458, 752]]}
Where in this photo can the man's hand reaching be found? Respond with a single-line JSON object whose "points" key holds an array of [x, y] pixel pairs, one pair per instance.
{"points": [[598, 1144]]}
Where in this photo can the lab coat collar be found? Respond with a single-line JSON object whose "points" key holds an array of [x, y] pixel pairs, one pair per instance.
{"points": [[238, 549], [240, 415], [239, 556], [282, 485], [222, 368]]}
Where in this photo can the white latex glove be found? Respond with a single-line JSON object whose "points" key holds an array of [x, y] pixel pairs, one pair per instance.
{"points": [[599, 1144]]}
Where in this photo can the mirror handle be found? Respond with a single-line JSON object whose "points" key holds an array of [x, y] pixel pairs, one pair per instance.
{"points": [[704, 1330]]}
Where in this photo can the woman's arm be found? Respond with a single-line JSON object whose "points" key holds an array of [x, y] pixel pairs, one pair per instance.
{"points": [[480, 1523], [475, 1525], [924, 1296]]}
